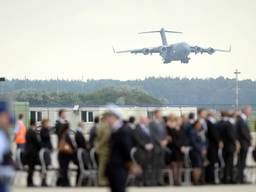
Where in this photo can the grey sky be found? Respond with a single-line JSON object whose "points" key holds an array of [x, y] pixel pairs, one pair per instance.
{"points": [[43, 39]]}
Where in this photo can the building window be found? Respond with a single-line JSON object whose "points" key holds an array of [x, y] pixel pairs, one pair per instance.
{"points": [[36, 116], [32, 115], [87, 116], [150, 114], [90, 116]]}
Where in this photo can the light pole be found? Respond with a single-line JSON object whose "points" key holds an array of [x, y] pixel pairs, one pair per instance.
{"points": [[237, 89]]}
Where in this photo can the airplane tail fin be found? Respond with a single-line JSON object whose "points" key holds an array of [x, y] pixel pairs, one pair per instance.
{"points": [[162, 33], [224, 50]]}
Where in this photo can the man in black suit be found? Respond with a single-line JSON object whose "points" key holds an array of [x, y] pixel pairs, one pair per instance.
{"points": [[214, 143], [120, 144], [145, 150], [227, 130], [32, 149], [81, 144], [244, 137]]}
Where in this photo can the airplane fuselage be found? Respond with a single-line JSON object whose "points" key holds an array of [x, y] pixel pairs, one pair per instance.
{"points": [[176, 52]]}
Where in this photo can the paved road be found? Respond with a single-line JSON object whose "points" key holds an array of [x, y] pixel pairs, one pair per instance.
{"points": [[222, 188]]}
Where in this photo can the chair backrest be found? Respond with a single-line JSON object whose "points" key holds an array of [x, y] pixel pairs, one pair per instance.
{"points": [[132, 153], [42, 159], [93, 158], [81, 153], [187, 161], [221, 159], [19, 159]]}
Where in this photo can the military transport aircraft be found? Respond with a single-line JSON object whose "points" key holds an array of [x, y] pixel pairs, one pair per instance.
{"points": [[172, 52]]}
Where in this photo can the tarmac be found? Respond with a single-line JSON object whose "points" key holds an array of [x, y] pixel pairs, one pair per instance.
{"points": [[219, 188]]}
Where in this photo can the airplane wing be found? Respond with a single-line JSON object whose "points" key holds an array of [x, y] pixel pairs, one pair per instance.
{"points": [[144, 51], [210, 50]]}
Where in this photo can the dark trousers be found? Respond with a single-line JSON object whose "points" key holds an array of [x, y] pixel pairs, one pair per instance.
{"points": [[241, 164], [64, 161], [32, 161], [117, 177], [229, 167], [157, 165]]}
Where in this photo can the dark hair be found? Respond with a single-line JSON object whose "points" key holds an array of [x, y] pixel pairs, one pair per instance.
{"points": [[200, 110], [32, 122], [196, 122], [131, 119], [21, 116], [61, 111], [96, 119], [191, 115]]}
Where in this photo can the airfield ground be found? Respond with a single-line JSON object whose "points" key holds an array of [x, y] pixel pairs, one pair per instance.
{"points": [[221, 188]]}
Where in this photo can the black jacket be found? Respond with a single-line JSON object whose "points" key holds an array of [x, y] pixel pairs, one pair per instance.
{"points": [[120, 149], [60, 128], [213, 137], [45, 138], [243, 133], [228, 135], [80, 140], [33, 144]]}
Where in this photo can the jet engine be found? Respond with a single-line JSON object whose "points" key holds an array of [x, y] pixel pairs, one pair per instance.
{"points": [[163, 50], [145, 51]]}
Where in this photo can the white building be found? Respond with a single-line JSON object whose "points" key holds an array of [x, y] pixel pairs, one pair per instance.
{"points": [[87, 114]]}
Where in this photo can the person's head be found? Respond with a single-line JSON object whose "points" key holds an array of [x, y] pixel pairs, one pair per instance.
{"points": [[32, 124], [144, 120], [197, 125], [247, 110], [157, 114], [80, 125], [202, 113], [62, 113], [21, 117], [191, 116], [96, 120], [171, 121], [5, 118], [45, 123], [224, 114], [211, 113], [113, 114], [132, 119]]}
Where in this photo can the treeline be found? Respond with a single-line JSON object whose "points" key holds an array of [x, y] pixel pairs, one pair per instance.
{"points": [[120, 96], [174, 91]]}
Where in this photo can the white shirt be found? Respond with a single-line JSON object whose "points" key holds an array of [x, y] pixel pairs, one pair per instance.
{"points": [[244, 117]]}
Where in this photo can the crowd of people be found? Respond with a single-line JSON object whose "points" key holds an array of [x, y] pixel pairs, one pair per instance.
{"points": [[145, 146]]}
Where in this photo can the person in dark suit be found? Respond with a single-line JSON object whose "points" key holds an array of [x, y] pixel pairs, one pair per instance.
{"points": [[120, 144], [81, 143], [226, 127], [32, 149], [158, 130], [145, 150], [66, 149], [177, 145], [93, 132], [47, 145], [244, 138], [214, 143]]}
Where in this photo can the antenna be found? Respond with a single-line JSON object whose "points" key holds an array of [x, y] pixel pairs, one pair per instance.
{"points": [[237, 89]]}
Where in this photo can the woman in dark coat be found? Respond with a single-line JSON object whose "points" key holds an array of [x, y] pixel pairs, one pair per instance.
{"points": [[177, 145], [198, 151]]}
